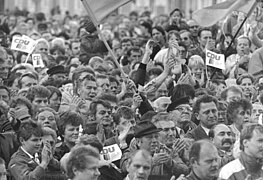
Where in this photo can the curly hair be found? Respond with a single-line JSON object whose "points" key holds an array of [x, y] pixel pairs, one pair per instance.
{"points": [[234, 105]]}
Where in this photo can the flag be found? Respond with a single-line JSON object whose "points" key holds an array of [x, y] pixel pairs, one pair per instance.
{"points": [[215, 60], [210, 15], [102, 8]]}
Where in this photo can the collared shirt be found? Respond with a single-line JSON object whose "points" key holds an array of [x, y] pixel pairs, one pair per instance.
{"points": [[236, 148], [206, 130], [31, 157]]}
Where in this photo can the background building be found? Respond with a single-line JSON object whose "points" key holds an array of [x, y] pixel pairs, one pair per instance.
{"points": [[75, 6]]}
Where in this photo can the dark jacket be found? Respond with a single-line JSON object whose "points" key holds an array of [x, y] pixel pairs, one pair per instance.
{"points": [[8, 145], [22, 167], [192, 176], [197, 134]]}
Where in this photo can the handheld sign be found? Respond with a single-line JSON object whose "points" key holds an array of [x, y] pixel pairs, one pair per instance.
{"points": [[215, 60], [37, 61], [23, 44], [111, 153]]}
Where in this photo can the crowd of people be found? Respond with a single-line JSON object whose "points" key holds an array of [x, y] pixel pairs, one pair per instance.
{"points": [[171, 115]]}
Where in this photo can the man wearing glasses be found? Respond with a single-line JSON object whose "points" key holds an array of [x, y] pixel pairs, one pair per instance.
{"points": [[181, 113]]}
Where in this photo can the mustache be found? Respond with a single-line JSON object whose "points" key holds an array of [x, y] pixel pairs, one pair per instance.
{"points": [[227, 140]]}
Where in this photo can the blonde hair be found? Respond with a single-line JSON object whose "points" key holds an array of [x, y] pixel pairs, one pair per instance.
{"points": [[195, 61]]}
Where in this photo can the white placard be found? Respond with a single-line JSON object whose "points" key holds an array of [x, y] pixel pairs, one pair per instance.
{"points": [[37, 61], [111, 153], [24, 44], [215, 60]]}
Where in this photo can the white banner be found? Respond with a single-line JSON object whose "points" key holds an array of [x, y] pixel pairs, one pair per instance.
{"points": [[37, 61], [24, 44], [215, 60], [111, 153]]}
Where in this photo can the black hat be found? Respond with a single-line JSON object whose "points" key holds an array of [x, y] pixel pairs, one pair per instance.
{"points": [[144, 128], [177, 102], [56, 70]]}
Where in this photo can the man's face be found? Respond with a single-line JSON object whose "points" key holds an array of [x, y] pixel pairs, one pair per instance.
{"points": [[59, 78], [135, 56], [103, 115], [186, 38], [161, 91], [208, 114], [149, 142], [232, 96], [126, 123], [103, 85], [223, 137], [87, 90], [207, 166], [168, 133], [139, 168], [3, 172], [71, 133], [39, 102], [91, 172], [4, 70], [47, 119], [242, 46], [32, 145], [194, 28], [254, 146], [75, 48], [27, 82], [4, 95], [55, 101], [47, 36], [205, 36], [222, 118], [126, 45], [114, 88], [246, 84], [182, 113], [157, 36], [242, 116], [256, 112]]}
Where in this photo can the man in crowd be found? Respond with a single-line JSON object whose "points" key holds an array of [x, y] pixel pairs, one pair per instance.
{"points": [[203, 157], [24, 163], [249, 163], [147, 138], [205, 111], [223, 139]]}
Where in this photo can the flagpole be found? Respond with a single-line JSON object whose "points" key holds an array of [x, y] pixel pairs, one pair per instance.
{"points": [[96, 23], [248, 14]]}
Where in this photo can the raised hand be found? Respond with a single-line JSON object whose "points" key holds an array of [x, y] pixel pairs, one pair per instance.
{"points": [[137, 100]]}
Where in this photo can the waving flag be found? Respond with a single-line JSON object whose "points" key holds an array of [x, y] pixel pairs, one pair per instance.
{"points": [[102, 8], [210, 15]]}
